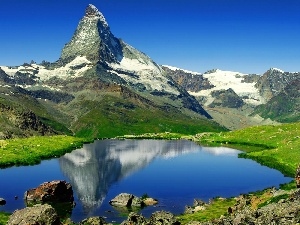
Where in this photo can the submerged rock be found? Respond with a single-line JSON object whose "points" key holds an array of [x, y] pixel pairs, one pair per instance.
{"points": [[36, 215], [149, 201], [54, 191], [126, 200]]}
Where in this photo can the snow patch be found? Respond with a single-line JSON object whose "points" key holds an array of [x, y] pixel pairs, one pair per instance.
{"points": [[186, 71], [145, 72], [67, 71], [276, 69], [228, 79]]}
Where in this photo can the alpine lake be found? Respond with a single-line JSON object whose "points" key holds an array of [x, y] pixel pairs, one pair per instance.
{"points": [[174, 172]]}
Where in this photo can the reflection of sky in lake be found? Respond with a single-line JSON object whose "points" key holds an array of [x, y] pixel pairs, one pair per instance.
{"points": [[174, 172]]}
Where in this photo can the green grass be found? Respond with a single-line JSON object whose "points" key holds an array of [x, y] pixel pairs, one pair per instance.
{"points": [[28, 151], [217, 208], [277, 147], [116, 117], [274, 199], [4, 218]]}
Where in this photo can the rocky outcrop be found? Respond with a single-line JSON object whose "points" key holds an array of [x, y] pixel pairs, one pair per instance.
{"points": [[297, 177], [135, 219], [198, 205], [188, 80], [163, 218], [226, 98], [126, 200], [129, 200], [36, 215], [285, 106], [157, 218], [274, 81], [149, 201], [97, 220], [54, 191], [2, 201]]}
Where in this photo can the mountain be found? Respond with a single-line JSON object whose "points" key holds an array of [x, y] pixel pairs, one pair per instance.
{"points": [[101, 87], [238, 100], [285, 106]]}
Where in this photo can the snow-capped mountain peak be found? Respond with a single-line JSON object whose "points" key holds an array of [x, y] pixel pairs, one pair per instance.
{"points": [[92, 12], [276, 69]]}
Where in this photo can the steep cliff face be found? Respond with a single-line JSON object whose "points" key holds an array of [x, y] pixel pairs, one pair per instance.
{"points": [[15, 123], [285, 106], [226, 98], [272, 82], [93, 39]]}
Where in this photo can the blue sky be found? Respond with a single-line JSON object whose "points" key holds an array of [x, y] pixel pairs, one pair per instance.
{"points": [[248, 36]]}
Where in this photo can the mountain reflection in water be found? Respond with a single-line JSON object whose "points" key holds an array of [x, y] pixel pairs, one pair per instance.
{"points": [[94, 168]]}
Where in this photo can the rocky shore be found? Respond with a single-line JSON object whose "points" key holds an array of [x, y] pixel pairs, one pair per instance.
{"points": [[272, 206]]}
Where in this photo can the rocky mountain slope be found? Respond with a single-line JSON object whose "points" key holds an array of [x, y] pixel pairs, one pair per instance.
{"points": [[237, 100], [102, 87]]}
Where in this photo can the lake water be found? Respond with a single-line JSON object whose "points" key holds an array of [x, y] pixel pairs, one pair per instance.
{"points": [[174, 172]]}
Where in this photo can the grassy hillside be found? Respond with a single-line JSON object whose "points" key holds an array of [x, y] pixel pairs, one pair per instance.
{"points": [[113, 116], [274, 146]]}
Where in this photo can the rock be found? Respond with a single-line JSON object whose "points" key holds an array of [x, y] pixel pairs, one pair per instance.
{"points": [[2, 201], [54, 191], [297, 177], [126, 200], [93, 221], [150, 201], [163, 218], [198, 202], [134, 219], [198, 205], [36, 215]]}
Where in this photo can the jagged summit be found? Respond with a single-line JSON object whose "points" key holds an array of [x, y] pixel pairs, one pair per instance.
{"points": [[92, 11], [93, 39]]}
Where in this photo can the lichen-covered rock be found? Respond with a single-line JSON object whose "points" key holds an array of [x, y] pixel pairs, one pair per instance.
{"points": [[36, 215], [54, 191], [126, 200], [135, 219], [97, 220], [150, 201], [163, 218]]}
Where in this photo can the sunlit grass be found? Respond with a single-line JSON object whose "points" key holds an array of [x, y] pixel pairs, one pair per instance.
{"points": [[29, 151], [277, 147], [217, 208]]}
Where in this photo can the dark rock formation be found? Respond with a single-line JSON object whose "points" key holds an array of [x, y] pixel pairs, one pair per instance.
{"points": [[274, 81], [189, 81], [2, 201], [157, 218], [285, 106], [126, 200], [36, 215], [93, 221], [226, 98], [163, 218], [198, 205], [135, 219], [55, 191]]}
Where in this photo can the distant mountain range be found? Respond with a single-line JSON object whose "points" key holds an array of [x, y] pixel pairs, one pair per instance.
{"points": [[238, 100], [103, 87]]}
